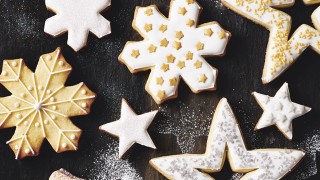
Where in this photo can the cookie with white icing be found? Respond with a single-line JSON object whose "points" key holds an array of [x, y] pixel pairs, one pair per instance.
{"points": [[78, 18], [279, 110], [130, 128], [225, 141], [281, 51], [173, 48], [62, 174], [40, 105]]}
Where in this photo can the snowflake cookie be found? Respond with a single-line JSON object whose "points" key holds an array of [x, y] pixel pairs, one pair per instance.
{"points": [[281, 52], [40, 105], [130, 128], [225, 140], [62, 174], [173, 47], [78, 17], [279, 110]]}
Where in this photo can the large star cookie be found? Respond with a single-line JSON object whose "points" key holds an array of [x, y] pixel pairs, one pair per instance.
{"points": [[173, 48], [40, 105], [130, 128], [279, 110], [281, 52], [78, 18], [225, 139]]}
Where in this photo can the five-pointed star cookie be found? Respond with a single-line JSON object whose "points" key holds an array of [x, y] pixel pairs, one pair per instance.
{"points": [[225, 136], [130, 128], [279, 110]]}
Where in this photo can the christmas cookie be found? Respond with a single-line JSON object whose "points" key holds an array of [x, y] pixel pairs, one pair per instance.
{"points": [[40, 105], [130, 128], [173, 48], [225, 140], [279, 110], [62, 174], [281, 51], [78, 18]]}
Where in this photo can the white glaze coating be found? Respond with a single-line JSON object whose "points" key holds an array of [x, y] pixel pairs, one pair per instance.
{"points": [[281, 52], [225, 136], [130, 128], [30, 110], [279, 110], [161, 40], [78, 17]]}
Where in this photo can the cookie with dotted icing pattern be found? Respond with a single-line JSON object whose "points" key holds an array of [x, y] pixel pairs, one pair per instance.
{"points": [[62, 174], [281, 51], [78, 18], [130, 128], [40, 105], [225, 141], [173, 48], [279, 110]]}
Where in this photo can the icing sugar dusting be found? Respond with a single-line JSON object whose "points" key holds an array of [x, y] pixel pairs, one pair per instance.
{"points": [[107, 165]]}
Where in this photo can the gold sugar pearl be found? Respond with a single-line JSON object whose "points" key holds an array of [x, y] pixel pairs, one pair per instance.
{"points": [[53, 117], [37, 124], [30, 88], [18, 116], [52, 99], [14, 64], [84, 105], [16, 147], [27, 151], [64, 145], [83, 92], [48, 57], [16, 104], [22, 95], [49, 91], [72, 136], [4, 73], [45, 121], [25, 123], [54, 108], [40, 87], [61, 63]]}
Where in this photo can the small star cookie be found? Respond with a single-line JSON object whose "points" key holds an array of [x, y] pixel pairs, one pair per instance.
{"points": [[279, 110], [130, 128], [225, 140], [173, 48], [78, 17], [40, 105]]}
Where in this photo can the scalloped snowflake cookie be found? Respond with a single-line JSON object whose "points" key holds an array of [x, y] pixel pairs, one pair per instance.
{"points": [[225, 141], [78, 17], [40, 105], [173, 47]]}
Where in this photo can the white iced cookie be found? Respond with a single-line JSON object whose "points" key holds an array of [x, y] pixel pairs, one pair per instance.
{"points": [[40, 105], [62, 174], [281, 52], [78, 18], [173, 47], [130, 128], [279, 110], [225, 139]]}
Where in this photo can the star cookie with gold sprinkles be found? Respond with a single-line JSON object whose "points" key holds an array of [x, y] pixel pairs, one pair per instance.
{"points": [[279, 110], [173, 48], [40, 105], [281, 51], [225, 141]]}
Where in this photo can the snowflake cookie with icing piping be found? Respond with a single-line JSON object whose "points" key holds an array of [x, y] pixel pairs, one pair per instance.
{"points": [[281, 51], [279, 110], [225, 140], [173, 47], [40, 105], [78, 18]]}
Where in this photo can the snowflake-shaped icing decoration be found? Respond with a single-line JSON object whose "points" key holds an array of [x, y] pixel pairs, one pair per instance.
{"points": [[174, 47], [281, 51], [225, 140], [40, 105], [78, 18]]}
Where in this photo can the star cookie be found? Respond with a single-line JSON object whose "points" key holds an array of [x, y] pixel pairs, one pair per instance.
{"points": [[40, 105], [281, 51], [225, 140], [62, 174], [173, 47], [130, 128], [279, 110], [78, 18]]}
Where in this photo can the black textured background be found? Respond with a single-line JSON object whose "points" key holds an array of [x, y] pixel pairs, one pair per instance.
{"points": [[22, 36]]}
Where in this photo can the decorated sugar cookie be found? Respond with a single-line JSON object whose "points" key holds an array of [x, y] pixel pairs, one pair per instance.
{"points": [[173, 47], [225, 140], [78, 18], [279, 110], [281, 51], [130, 128], [62, 174], [40, 105]]}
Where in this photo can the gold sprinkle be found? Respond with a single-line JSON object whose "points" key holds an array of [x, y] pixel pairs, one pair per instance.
{"points": [[190, 1], [148, 27], [203, 78], [164, 42], [222, 34], [149, 12], [163, 28], [189, 55], [165, 67], [177, 45], [161, 94], [208, 32], [159, 81], [198, 64], [199, 46], [170, 58], [182, 10], [152, 48], [179, 35], [190, 22], [181, 64], [135, 53], [173, 81]]}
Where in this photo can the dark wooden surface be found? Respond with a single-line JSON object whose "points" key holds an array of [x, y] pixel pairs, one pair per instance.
{"points": [[182, 124]]}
